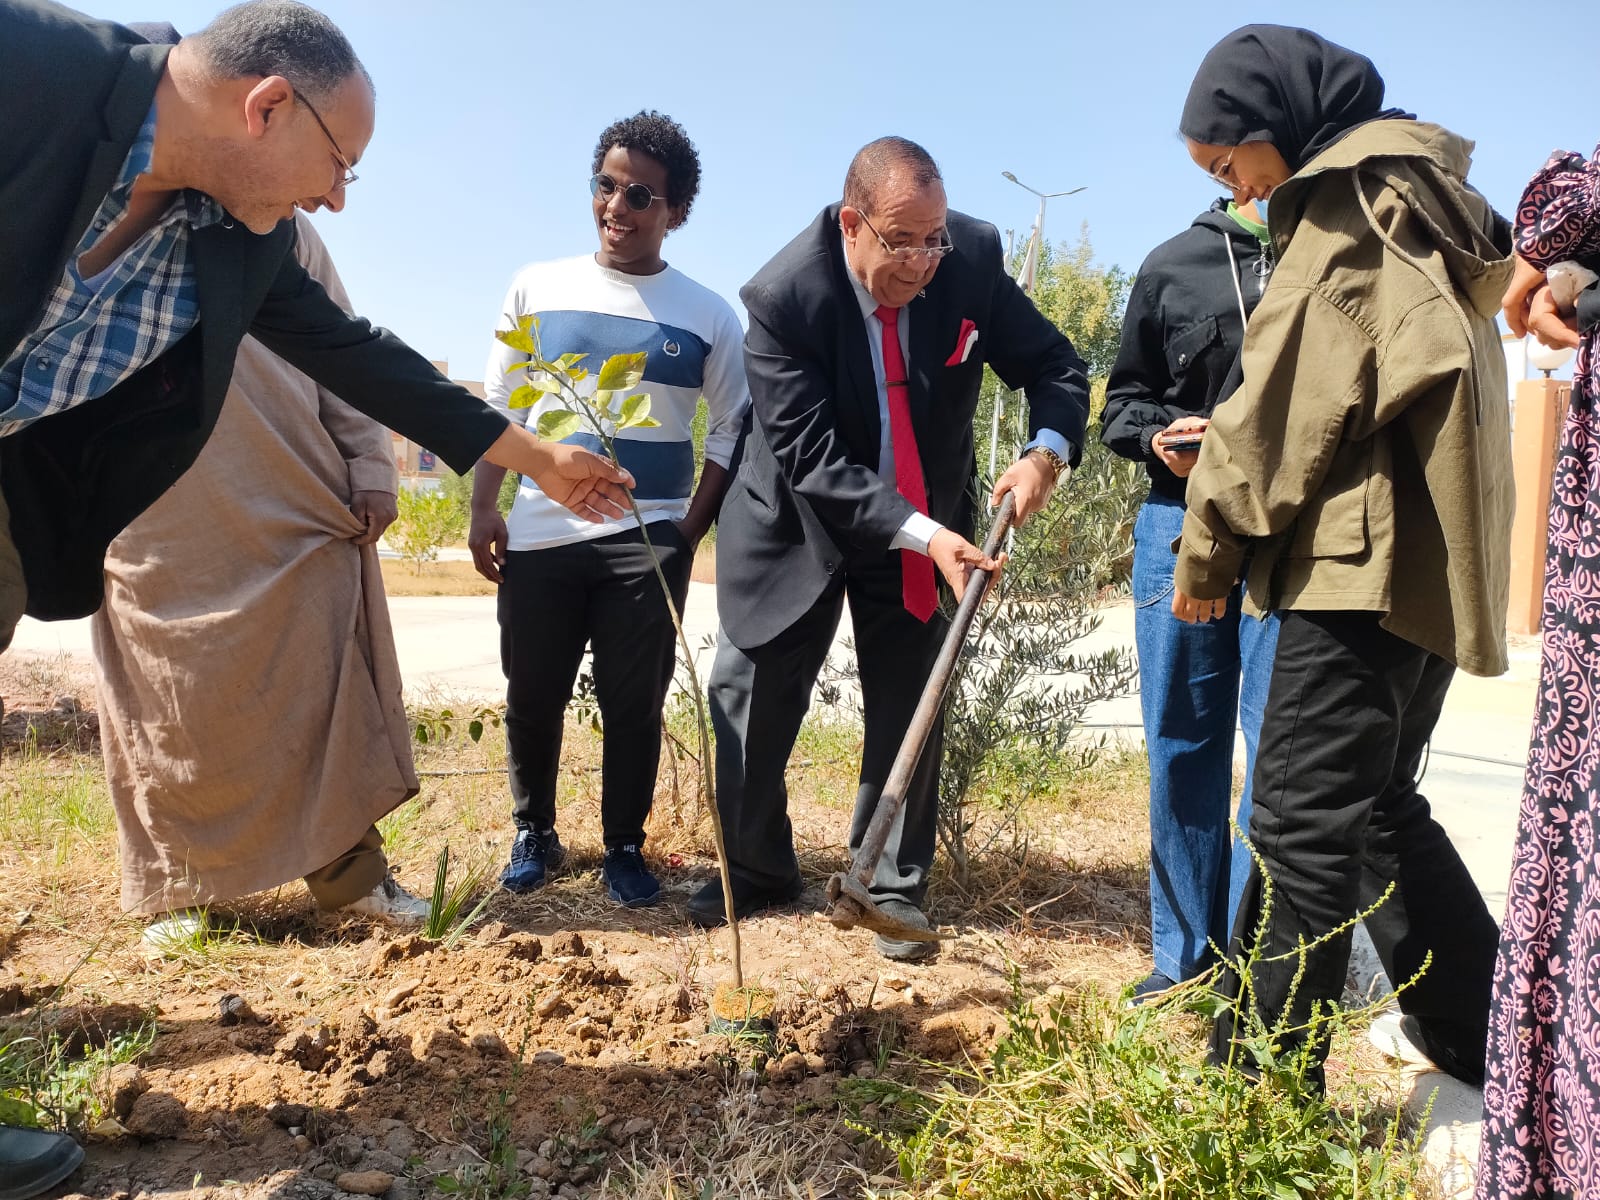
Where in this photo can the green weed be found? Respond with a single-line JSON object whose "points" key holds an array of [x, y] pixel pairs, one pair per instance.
{"points": [[448, 914], [43, 1084]]}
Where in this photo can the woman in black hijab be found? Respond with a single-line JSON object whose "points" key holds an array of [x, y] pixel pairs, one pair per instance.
{"points": [[1366, 459], [1268, 99]]}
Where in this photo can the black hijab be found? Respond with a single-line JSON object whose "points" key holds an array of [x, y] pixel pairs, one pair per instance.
{"points": [[1274, 83]]}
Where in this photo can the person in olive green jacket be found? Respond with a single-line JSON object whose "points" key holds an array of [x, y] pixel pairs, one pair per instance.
{"points": [[1365, 464]]}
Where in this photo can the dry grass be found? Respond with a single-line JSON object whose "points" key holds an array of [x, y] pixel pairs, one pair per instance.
{"points": [[435, 579], [748, 1158], [457, 578]]}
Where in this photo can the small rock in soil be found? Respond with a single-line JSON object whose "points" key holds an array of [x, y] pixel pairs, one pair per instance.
{"points": [[233, 1009], [122, 1085], [308, 1187], [157, 1115], [549, 1004], [400, 993], [524, 946], [365, 1183], [382, 1160], [346, 1150], [491, 1045], [637, 1126], [566, 944]]}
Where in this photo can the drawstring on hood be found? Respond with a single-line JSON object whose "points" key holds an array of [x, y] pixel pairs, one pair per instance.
{"points": [[1233, 274], [1472, 241]]}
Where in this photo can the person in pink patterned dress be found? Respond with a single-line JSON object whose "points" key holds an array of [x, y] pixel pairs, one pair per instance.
{"points": [[1541, 1097]]}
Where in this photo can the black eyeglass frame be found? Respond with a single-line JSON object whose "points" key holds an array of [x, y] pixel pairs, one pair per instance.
{"points": [[349, 175]]}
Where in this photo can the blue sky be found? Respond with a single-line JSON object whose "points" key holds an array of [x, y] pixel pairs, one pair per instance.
{"points": [[488, 112]]}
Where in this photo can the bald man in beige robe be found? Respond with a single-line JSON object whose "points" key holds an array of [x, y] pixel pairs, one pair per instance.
{"points": [[250, 697]]}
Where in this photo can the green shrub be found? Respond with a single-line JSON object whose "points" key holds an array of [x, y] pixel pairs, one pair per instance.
{"points": [[426, 522]]}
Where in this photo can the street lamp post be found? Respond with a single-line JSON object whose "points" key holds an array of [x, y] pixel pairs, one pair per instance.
{"points": [[1025, 278], [1036, 243]]}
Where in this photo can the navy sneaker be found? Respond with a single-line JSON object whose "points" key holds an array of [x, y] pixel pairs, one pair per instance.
{"points": [[532, 857], [628, 880]]}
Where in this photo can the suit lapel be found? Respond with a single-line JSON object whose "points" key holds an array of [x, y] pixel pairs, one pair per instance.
{"points": [[855, 352], [104, 164], [124, 114]]}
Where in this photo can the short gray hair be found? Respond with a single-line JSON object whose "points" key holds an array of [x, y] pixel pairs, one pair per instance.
{"points": [[879, 159], [280, 37]]}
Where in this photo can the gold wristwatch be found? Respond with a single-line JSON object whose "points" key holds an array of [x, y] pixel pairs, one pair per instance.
{"points": [[1057, 463]]}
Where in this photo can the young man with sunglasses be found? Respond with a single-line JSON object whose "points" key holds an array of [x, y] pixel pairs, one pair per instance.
{"points": [[565, 584], [868, 337]]}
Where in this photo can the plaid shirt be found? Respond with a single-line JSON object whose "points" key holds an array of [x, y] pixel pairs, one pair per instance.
{"points": [[95, 333]]}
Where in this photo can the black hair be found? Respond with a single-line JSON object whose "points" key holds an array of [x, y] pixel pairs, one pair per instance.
{"points": [[280, 37], [879, 159], [664, 140]]}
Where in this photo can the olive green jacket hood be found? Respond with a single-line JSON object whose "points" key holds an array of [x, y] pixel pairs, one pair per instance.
{"points": [[1367, 457]]}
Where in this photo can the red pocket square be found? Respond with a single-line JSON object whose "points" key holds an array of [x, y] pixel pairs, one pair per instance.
{"points": [[965, 341]]}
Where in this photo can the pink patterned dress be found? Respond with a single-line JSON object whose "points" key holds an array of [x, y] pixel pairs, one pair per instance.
{"points": [[1541, 1098]]}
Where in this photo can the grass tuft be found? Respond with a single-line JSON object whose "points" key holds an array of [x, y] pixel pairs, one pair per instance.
{"points": [[449, 916]]}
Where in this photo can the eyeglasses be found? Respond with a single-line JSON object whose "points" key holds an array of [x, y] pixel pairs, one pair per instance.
{"points": [[1221, 173], [347, 174], [909, 253], [636, 195]]}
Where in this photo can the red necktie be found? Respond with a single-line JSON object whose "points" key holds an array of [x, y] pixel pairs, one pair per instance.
{"points": [[916, 570]]}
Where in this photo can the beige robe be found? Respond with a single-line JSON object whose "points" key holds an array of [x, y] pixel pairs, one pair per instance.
{"points": [[250, 696]]}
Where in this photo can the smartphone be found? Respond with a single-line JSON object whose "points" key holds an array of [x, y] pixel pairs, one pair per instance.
{"points": [[1184, 440]]}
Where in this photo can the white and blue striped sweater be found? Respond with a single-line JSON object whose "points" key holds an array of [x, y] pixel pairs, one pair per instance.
{"points": [[694, 346]]}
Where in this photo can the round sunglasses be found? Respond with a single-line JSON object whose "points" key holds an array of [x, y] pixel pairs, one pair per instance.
{"points": [[636, 195]]}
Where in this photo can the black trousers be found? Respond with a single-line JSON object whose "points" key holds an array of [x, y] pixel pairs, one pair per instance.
{"points": [[603, 594], [760, 696], [1338, 817]]}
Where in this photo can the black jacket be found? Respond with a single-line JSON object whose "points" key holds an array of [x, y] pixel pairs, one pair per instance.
{"points": [[1181, 336], [806, 500], [73, 95]]}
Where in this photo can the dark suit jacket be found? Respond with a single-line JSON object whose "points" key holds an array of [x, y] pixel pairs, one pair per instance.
{"points": [[73, 94], [806, 501]]}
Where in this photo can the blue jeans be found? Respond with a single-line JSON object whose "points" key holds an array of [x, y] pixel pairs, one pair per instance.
{"points": [[1194, 682]]}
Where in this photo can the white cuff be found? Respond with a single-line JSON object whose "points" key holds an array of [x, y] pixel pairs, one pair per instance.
{"points": [[916, 533]]}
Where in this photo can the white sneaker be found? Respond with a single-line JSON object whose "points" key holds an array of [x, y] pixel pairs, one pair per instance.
{"points": [[1388, 1035], [389, 902], [174, 930]]}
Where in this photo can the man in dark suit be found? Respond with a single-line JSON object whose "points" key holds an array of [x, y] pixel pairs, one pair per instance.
{"points": [[144, 192], [143, 197], [868, 335]]}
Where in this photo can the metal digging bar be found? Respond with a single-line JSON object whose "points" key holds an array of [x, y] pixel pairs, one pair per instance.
{"points": [[850, 903]]}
